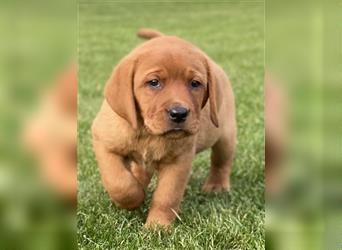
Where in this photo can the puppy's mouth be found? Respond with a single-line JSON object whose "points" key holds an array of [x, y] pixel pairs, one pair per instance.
{"points": [[171, 130], [176, 133]]}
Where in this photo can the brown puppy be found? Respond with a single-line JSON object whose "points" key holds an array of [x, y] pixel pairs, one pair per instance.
{"points": [[165, 101], [50, 135]]}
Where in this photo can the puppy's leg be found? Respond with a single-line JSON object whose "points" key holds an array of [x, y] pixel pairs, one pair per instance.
{"points": [[172, 180], [124, 190], [141, 173], [221, 162]]}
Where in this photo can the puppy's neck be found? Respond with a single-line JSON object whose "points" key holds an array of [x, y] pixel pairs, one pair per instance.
{"points": [[159, 147]]}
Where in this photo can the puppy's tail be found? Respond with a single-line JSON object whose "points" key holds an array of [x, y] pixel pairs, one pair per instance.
{"points": [[149, 33]]}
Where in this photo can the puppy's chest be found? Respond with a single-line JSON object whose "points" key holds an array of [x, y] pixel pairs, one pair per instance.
{"points": [[150, 150]]}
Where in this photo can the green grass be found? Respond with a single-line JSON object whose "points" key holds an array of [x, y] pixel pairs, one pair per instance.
{"points": [[233, 35]]}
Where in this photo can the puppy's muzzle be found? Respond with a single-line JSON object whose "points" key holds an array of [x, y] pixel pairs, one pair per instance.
{"points": [[178, 114]]}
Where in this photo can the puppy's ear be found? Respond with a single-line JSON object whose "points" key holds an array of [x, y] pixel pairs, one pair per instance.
{"points": [[214, 93], [205, 98], [119, 91]]}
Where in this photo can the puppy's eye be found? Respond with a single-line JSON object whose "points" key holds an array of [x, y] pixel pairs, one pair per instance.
{"points": [[154, 83], [195, 84]]}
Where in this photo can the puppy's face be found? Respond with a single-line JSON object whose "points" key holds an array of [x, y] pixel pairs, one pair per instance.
{"points": [[170, 88], [166, 82]]}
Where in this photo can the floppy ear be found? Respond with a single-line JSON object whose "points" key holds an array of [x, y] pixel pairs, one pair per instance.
{"points": [[119, 91], [205, 98], [214, 94]]}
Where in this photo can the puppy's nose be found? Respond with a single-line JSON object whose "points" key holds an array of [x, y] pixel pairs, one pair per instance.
{"points": [[178, 114]]}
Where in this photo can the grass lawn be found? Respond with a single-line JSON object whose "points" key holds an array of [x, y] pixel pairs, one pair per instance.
{"points": [[233, 35]]}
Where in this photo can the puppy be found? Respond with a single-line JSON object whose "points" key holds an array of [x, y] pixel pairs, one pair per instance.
{"points": [[50, 135], [164, 102]]}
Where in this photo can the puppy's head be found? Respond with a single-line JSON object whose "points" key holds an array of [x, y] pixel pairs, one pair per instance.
{"points": [[164, 83]]}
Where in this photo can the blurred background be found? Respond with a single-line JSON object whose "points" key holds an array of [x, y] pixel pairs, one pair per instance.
{"points": [[303, 125], [303, 108], [37, 124]]}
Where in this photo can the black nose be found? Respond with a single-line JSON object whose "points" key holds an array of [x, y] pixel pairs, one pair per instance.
{"points": [[178, 114]]}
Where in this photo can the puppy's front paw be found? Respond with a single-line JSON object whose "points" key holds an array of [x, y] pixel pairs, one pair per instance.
{"points": [[157, 225], [160, 218], [128, 195], [216, 185]]}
